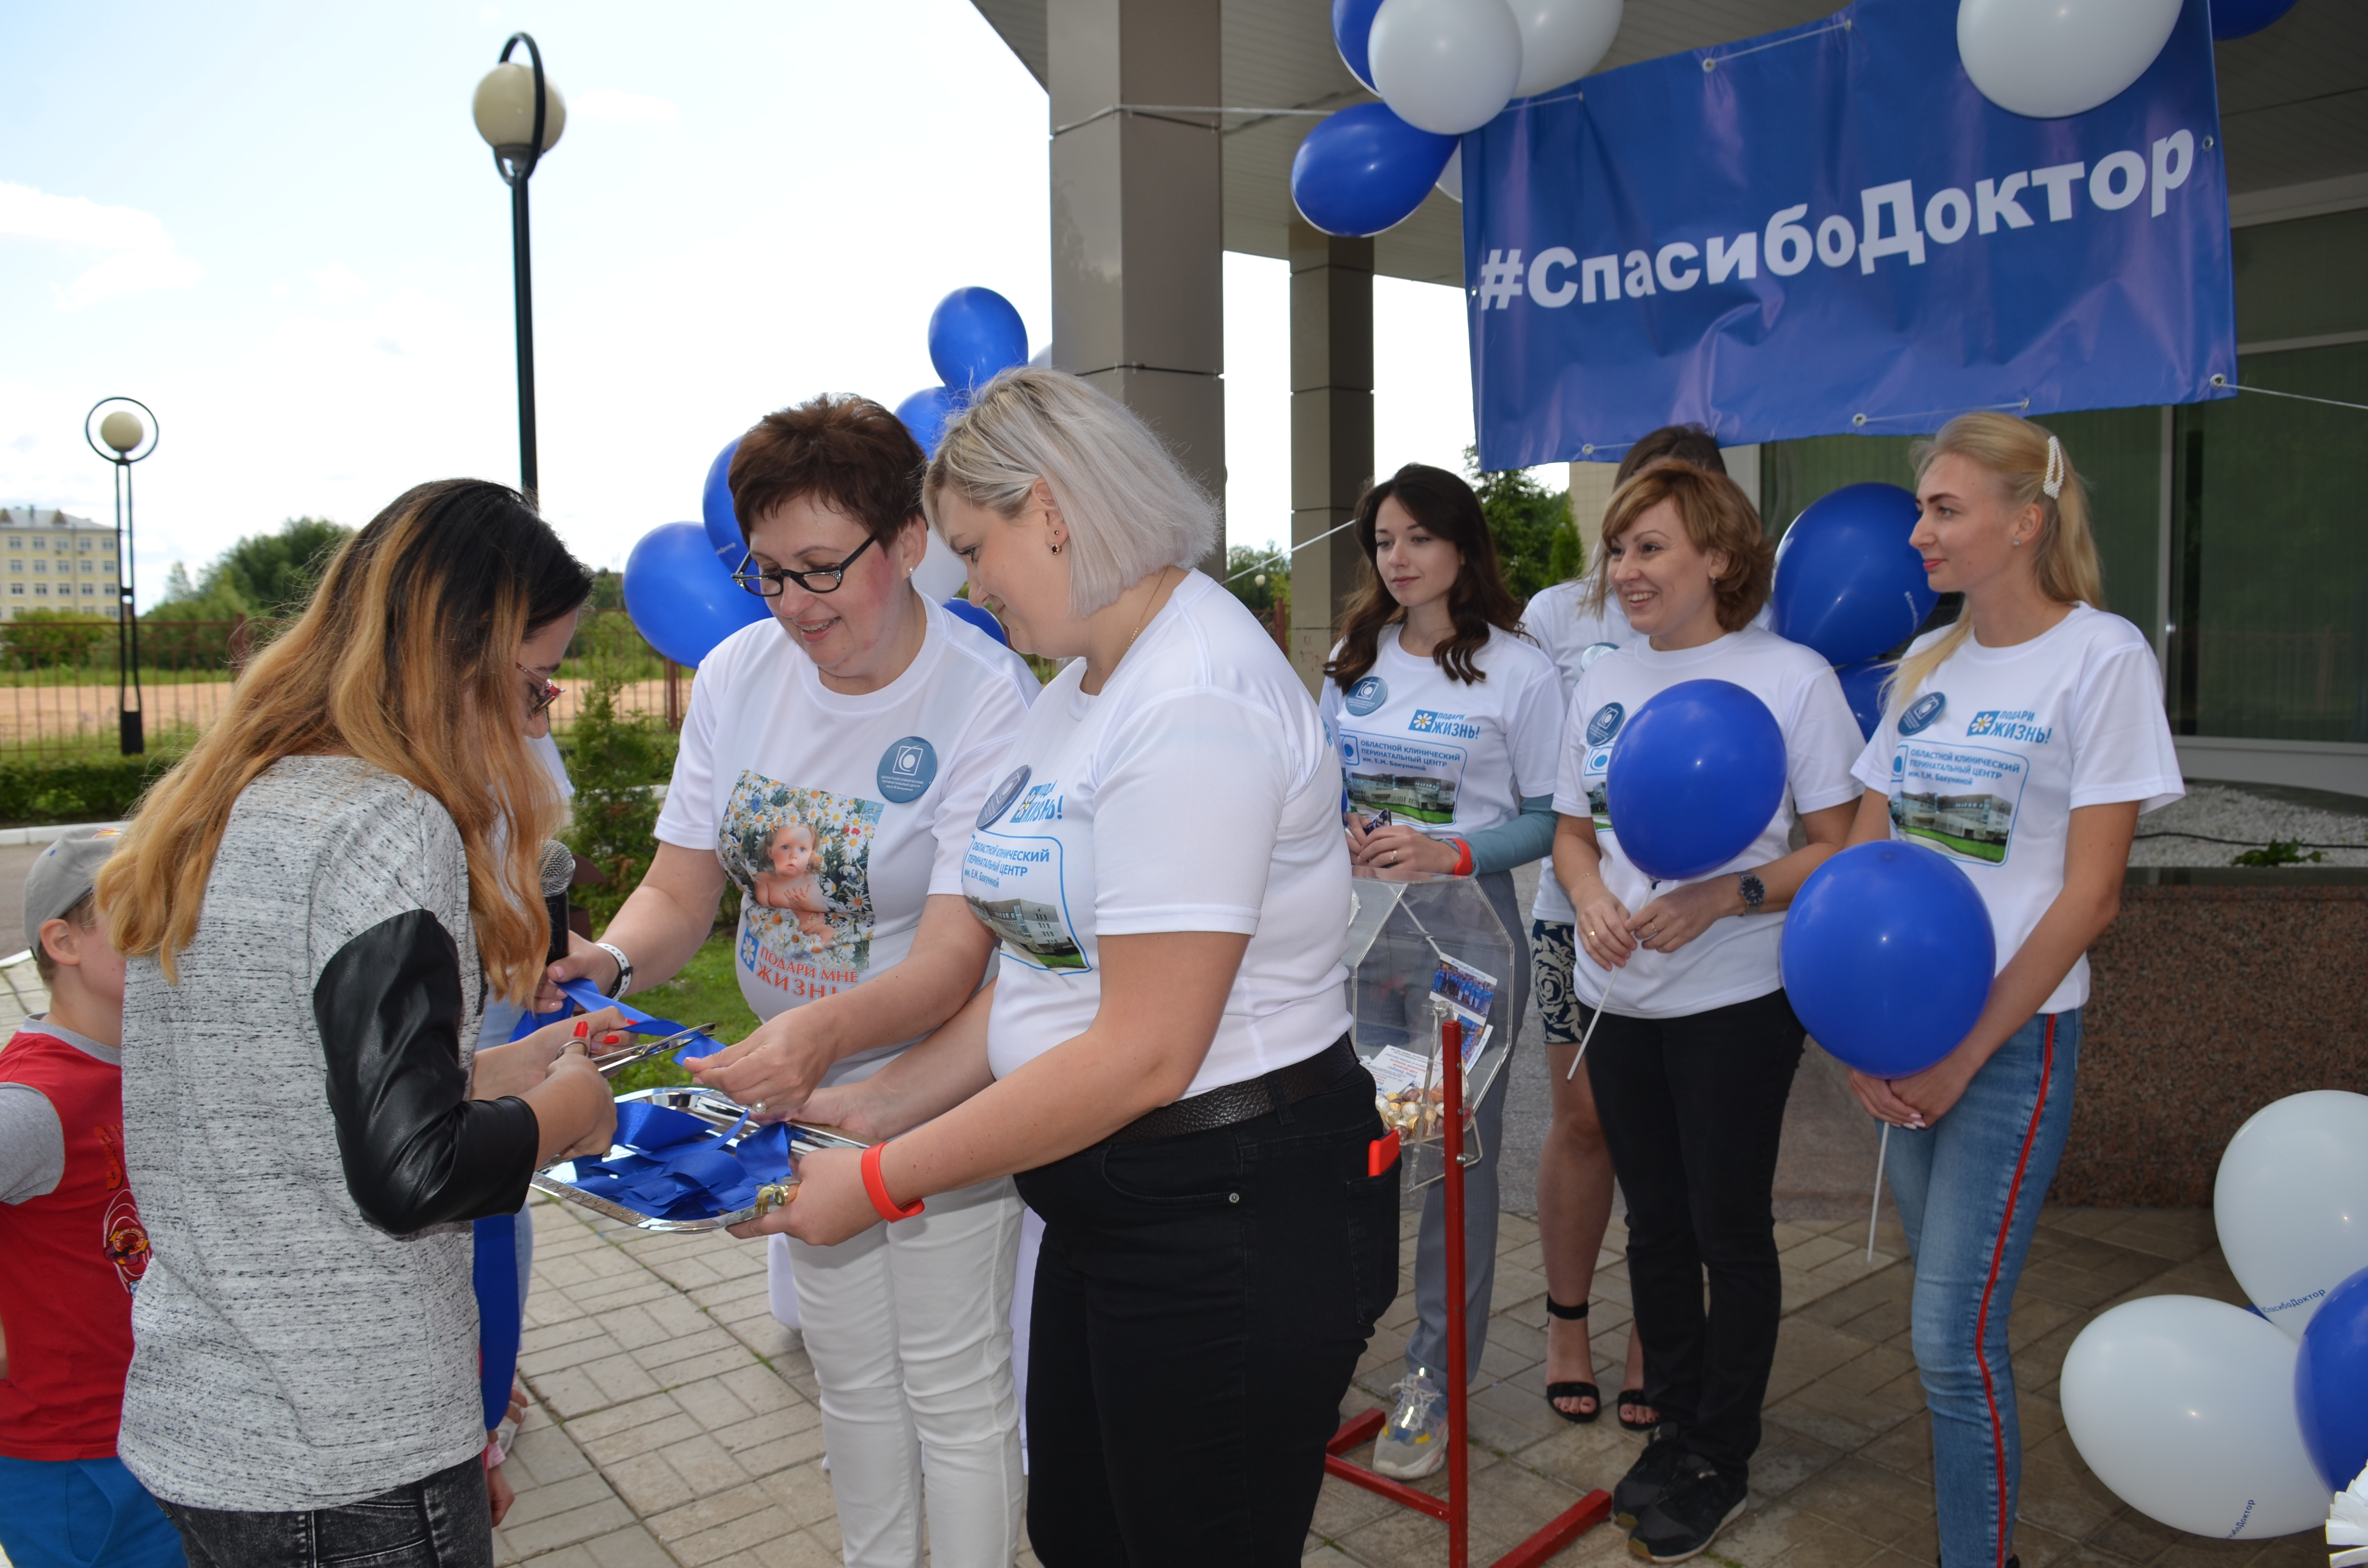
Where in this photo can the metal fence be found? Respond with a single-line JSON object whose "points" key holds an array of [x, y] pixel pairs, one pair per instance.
{"points": [[59, 681]]}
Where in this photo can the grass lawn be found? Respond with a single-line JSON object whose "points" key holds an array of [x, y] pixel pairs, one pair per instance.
{"points": [[705, 992]]}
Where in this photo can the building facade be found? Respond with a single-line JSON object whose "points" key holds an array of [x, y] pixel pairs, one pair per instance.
{"points": [[56, 560]]}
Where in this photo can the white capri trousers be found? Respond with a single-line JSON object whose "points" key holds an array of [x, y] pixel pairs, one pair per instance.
{"points": [[909, 1329]]}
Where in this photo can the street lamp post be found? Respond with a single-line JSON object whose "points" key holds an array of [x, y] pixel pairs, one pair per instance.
{"points": [[124, 438], [521, 115]]}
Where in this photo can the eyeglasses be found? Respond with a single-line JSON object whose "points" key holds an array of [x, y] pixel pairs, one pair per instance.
{"points": [[540, 693], [821, 580]]}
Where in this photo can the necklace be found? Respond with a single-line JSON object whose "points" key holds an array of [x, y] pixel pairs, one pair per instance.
{"points": [[1150, 607]]}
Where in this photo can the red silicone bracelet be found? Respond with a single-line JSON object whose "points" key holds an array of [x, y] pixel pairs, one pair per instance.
{"points": [[1463, 858], [876, 1188]]}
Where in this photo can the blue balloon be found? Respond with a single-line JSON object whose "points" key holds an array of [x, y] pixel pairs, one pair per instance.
{"points": [[2230, 19], [976, 335], [978, 615], [681, 597], [1352, 28], [715, 509], [1862, 689], [1848, 583], [2331, 1383], [1888, 955], [924, 415], [1363, 170], [1696, 775]]}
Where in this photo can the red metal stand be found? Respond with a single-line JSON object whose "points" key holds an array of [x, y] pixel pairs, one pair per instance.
{"points": [[1456, 1508]]}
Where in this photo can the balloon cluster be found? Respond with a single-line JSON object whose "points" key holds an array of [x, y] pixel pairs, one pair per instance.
{"points": [[2047, 59], [679, 586], [1442, 68], [1850, 586], [2227, 1422]]}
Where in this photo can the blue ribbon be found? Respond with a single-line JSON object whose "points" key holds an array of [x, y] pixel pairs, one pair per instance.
{"points": [[499, 1312], [676, 1167]]}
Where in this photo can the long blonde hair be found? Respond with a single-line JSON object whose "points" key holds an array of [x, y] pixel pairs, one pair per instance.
{"points": [[2063, 557], [406, 658]]}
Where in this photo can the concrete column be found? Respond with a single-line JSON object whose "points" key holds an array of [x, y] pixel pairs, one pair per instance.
{"points": [[1138, 220], [1331, 431]]}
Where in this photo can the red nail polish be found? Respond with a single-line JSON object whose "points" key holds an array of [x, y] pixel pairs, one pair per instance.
{"points": [[608, 1039], [582, 1029]]}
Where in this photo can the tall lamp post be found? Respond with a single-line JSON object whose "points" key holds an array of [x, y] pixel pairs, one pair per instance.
{"points": [[124, 436], [521, 115]]}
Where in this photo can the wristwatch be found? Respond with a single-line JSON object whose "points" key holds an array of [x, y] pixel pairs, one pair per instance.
{"points": [[1755, 894], [624, 969]]}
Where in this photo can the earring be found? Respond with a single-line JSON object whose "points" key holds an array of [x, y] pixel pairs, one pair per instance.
{"points": [[1056, 550], [2016, 543]]}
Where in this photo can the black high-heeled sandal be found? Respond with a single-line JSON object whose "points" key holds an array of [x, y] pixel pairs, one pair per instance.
{"points": [[1573, 1390]]}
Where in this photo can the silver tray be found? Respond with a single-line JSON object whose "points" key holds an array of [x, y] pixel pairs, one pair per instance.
{"points": [[716, 1110]]}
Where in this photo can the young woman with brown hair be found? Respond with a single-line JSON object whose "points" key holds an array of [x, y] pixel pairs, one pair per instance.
{"points": [[1447, 720], [2053, 710], [1694, 1058], [315, 904]]}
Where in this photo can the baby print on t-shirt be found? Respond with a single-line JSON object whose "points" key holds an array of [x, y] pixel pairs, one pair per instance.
{"points": [[801, 859]]}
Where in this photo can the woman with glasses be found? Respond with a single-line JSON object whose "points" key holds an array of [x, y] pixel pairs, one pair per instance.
{"points": [[313, 905], [1164, 1057], [832, 765]]}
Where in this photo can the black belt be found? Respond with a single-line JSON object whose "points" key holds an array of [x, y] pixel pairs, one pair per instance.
{"points": [[1250, 1097]]}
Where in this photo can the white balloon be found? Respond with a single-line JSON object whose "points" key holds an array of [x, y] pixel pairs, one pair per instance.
{"points": [[1450, 179], [1447, 67], [2050, 57], [2291, 1202], [2184, 1408], [1562, 41]]}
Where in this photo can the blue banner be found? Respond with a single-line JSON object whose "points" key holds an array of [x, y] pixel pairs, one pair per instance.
{"points": [[1829, 230]]}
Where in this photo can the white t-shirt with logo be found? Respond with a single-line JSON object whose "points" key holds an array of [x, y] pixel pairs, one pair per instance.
{"points": [[1449, 759], [1737, 957], [1572, 633], [1195, 793], [2002, 744], [838, 816]]}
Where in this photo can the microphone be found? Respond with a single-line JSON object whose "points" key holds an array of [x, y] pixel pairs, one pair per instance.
{"points": [[557, 870]]}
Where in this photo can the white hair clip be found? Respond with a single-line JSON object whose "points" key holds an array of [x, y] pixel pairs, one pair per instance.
{"points": [[2054, 483]]}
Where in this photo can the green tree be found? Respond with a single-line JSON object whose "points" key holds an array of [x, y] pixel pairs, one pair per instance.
{"points": [[44, 639], [613, 760], [266, 576], [1260, 578], [1524, 518]]}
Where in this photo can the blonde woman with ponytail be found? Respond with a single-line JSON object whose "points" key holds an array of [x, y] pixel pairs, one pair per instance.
{"points": [[315, 904], [2023, 742]]}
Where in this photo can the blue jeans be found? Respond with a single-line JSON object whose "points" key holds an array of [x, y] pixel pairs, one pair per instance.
{"points": [[81, 1514], [1969, 1189], [443, 1521]]}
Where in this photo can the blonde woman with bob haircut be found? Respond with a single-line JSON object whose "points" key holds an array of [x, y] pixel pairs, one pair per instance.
{"points": [[2056, 708], [1695, 1057], [315, 904], [1163, 1060]]}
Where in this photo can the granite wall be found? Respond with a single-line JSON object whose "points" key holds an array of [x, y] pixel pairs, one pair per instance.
{"points": [[2215, 993]]}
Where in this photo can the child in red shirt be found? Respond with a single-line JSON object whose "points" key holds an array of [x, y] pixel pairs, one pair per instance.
{"points": [[74, 1244]]}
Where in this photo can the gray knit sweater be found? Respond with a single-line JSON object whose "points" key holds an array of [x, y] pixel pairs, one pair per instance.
{"points": [[288, 1352]]}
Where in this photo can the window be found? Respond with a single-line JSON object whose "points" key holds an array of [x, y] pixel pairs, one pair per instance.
{"points": [[41, 565], [41, 590], [88, 566], [89, 589], [16, 542], [40, 544], [84, 544], [16, 590], [16, 567]]}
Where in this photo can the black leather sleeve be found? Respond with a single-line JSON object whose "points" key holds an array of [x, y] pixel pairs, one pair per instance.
{"points": [[418, 1150]]}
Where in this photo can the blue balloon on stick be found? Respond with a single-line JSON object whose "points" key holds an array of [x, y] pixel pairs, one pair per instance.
{"points": [[2331, 1383], [924, 415], [1887, 957], [715, 509], [1352, 29], [976, 335], [978, 615], [1695, 775], [682, 598], [1862, 689], [1848, 583], [2230, 19], [1364, 170]]}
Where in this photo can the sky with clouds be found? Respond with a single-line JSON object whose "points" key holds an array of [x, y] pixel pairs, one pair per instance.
{"points": [[277, 226]]}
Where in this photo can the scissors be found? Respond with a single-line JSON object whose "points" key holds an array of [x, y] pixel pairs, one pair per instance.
{"points": [[617, 1062]]}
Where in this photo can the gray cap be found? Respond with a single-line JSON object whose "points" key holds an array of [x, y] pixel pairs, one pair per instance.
{"points": [[61, 874]]}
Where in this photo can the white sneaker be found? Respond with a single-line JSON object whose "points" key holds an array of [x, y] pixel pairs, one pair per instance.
{"points": [[1413, 1443]]}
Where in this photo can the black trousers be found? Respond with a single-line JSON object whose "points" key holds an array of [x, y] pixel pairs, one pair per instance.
{"points": [[1201, 1304], [443, 1521], [1693, 1110]]}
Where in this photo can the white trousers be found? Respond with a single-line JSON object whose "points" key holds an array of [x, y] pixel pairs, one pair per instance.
{"points": [[909, 1327]]}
